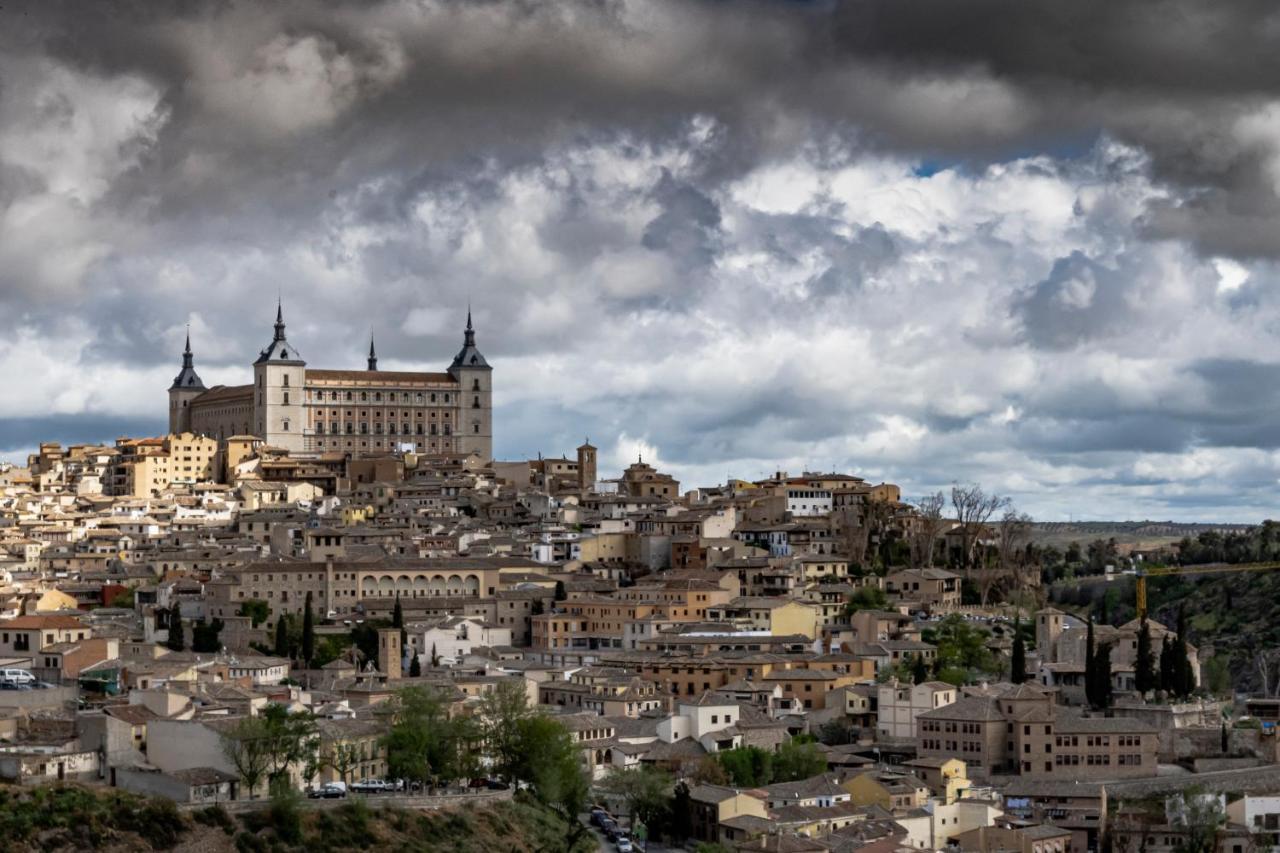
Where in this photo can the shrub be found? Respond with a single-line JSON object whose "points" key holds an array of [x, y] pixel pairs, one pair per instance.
{"points": [[216, 816]]}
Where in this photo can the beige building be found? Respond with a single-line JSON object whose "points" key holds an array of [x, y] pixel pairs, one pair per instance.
{"points": [[898, 705], [355, 412]]}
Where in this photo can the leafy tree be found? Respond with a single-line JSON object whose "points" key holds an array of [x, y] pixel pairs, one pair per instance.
{"points": [[256, 609], [308, 632], [204, 636], [500, 713], [550, 761], [124, 599], [961, 644], [1144, 674], [415, 667], [245, 746], [537, 608], [343, 758], [865, 598], [425, 744], [177, 638], [1018, 666], [747, 766], [796, 760], [646, 791], [291, 739], [365, 637]]}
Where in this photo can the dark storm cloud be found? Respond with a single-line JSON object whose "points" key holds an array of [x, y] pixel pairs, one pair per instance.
{"points": [[577, 170], [1078, 301], [26, 433]]}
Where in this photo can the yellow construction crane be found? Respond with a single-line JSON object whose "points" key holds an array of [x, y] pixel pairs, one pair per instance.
{"points": [[1206, 569]]}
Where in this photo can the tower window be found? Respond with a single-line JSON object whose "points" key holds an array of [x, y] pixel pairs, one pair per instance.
{"points": [[475, 404], [286, 398], [286, 380], [475, 428], [475, 385]]}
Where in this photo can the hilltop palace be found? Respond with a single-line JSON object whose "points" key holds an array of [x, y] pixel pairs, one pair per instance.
{"points": [[358, 412]]}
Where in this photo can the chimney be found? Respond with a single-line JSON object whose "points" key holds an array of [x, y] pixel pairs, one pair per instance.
{"points": [[389, 652]]}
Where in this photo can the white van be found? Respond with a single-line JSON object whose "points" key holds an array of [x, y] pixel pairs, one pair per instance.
{"points": [[16, 676]]}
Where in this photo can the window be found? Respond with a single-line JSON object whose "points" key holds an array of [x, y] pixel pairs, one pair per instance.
{"points": [[286, 376], [286, 398], [285, 425]]}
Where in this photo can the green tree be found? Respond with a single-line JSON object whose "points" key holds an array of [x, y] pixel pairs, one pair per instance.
{"points": [[1144, 674], [256, 609], [343, 759], [435, 658], [177, 638], [646, 791], [1090, 667], [245, 746], [308, 632], [1018, 665], [680, 826], [124, 599], [561, 594], [204, 636], [415, 666], [1184, 671], [282, 636], [291, 740], [425, 744], [501, 711], [865, 598], [1168, 669], [961, 644], [397, 614], [550, 762], [1101, 698], [796, 760], [919, 670], [747, 766]]}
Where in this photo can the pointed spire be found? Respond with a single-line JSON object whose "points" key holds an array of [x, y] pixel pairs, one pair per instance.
{"points": [[470, 334], [279, 319], [187, 379], [186, 352], [373, 355]]}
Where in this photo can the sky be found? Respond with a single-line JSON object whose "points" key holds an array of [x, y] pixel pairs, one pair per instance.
{"points": [[1022, 243]]}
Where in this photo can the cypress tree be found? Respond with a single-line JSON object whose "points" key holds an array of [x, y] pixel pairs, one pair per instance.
{"points": [[1168, 676], [397, 614], [1144, 675], [1226, 739], [308, 632], [1090, 672], [1102, 675], [1018, 667], [435, 658], [1184, 672], [919, 672], [177, 640], [415, 666], [282, 637]]}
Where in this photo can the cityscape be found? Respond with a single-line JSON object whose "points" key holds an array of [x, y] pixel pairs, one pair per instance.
{"points": [[657, 426]]}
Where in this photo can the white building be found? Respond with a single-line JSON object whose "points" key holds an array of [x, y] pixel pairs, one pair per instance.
{"points": [[898, 705]]}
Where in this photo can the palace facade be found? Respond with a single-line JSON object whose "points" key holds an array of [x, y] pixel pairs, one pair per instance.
{"points": [[301, 409]]}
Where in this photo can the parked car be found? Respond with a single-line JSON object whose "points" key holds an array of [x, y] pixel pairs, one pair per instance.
{"points": [[624, 845], [598, 815], [374, 786], [330, 791]]}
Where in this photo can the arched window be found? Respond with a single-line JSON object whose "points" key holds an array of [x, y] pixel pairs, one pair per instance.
{"points": [[433, 398], [364, 396], [348, 395], [377, 396]]}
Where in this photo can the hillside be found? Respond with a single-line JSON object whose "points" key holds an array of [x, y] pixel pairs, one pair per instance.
{"points": [[61, 819], [1143, 534]]}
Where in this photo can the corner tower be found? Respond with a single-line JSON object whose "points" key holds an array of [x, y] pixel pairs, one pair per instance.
{"points": [[185, 388], [279, 388], [475, 394]]}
